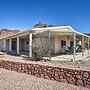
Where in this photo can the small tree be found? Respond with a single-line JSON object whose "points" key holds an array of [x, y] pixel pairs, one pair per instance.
{"points": [[40, 47]]}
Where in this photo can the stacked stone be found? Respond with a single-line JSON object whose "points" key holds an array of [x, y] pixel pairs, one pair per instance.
{"points": [[67, 75]]}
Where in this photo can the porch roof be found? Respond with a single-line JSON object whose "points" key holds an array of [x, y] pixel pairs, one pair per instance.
{"points": [[65, 30], [59, 29]]}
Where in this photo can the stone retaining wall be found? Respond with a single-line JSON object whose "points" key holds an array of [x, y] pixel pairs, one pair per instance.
{"points": [[52, 72]]}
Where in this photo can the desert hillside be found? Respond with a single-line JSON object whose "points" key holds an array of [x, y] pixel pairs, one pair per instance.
{"points": [[7, 32]]}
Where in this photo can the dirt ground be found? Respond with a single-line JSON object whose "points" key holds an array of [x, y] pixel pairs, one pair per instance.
{"points": [[11, 80]]}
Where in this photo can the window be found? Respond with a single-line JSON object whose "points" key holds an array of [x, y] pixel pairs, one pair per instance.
{"points": [[71, 43], [27, 42], [63, 43]]}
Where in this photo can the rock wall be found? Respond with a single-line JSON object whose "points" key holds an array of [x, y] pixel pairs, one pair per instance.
{"points": [[52, 72]]}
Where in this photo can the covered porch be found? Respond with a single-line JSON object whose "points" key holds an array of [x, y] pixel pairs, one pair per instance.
{"points": [[17, 44], [67, 44], [58, 43]]}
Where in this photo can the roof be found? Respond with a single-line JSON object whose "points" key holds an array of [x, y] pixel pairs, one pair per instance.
{"points": [[58, 29]]}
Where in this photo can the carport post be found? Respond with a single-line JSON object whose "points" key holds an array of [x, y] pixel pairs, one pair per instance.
{"points": [[49, 35], [82, 46], [88, 45], [17, 45], [74, 48], [4, 45], [30, 45], [10, 44]]}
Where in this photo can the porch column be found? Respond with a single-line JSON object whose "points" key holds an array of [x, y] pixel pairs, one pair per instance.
{"points": [[49, 36], [88, 45], [30, 45], [1, 45], [74, 46], [10, 44], [17, 45], [4, 45], [82, 46]]}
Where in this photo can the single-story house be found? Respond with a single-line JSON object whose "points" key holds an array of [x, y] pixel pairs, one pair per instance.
{"points": [[60, 36]]}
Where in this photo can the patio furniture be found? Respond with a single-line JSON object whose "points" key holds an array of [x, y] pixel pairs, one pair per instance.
{"points": [[66, 50]]}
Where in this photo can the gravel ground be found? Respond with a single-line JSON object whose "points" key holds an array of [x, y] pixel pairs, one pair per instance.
{"points": [[79, 63], [11, 80]]}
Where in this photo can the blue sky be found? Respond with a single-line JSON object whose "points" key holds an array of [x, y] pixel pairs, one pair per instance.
{"points": [[24, 14]]}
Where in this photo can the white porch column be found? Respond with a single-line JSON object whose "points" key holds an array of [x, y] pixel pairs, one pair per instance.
{"points": [[83, 46], [4, 45], [74, 46], [10, 44], [30, 45], [1, 45], [88, 45], [49, 36], [17, 45]]}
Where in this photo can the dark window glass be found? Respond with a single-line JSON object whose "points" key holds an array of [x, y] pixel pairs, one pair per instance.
{"points": [[63, 43], [71, 43], [27, 42]]}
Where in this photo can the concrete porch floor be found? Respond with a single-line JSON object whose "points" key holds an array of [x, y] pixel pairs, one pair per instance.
{"points": [[69, 57], [54, 58]]}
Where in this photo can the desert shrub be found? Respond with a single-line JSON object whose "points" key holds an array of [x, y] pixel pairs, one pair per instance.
{"points": [[40, 48]]}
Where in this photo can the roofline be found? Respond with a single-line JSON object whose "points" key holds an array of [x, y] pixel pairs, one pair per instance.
{"points": [[18, 33], [78, 32], [45, 29]]}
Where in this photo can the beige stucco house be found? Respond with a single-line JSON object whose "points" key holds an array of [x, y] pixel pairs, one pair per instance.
{"points": [[21, 42]]}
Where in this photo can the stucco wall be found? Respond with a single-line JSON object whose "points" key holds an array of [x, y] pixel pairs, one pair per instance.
{"points": [[52, 45], [23, 46], [3, 45], [57, 42], [26, 45], [7, 45]]}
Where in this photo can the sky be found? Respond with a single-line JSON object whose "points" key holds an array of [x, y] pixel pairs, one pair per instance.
{"points": [[24, 14]]}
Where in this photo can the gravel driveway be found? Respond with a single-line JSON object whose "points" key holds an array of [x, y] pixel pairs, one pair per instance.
{"points": [[11, 80]]}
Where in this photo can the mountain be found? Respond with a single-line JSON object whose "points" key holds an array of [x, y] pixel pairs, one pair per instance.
{"points": [[41, 25], [6, 32]]}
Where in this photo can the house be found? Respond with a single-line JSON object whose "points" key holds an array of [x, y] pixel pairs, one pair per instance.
{"points": [[21, 42]]}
